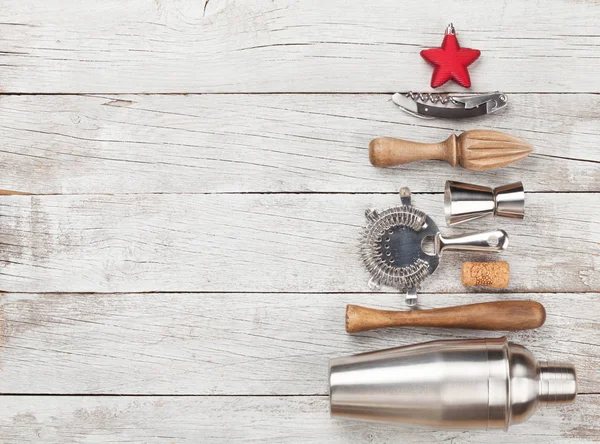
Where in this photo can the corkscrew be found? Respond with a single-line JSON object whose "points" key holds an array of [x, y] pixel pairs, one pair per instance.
{"points": [[442, 98], [449, 105]]}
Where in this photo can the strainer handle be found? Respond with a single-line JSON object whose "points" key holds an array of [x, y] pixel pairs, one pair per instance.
{"points": [[484, 242]]}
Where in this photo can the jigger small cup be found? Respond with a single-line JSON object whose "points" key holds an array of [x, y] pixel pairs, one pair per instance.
{"points": [[464, 202]]}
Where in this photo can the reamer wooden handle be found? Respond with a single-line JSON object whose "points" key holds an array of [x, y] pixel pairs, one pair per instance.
{"points": [[387, 151], [502, 315]]}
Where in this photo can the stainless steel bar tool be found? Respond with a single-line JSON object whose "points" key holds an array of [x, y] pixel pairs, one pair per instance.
{"points": [[449, 105], [464, 202], [401, 246], [469, 383]]}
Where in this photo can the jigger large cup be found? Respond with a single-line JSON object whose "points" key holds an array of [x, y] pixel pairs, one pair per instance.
{"points": [[471, 383], [464, 202]]}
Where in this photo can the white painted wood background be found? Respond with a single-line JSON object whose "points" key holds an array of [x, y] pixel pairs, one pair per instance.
{"points": [[184, 182]]}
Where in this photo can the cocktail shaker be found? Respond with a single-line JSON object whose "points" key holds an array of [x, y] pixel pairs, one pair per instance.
{"points": [[471, 383]]}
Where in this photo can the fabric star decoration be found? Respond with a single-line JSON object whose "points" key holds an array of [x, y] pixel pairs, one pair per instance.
{"points": [[450, 61]]}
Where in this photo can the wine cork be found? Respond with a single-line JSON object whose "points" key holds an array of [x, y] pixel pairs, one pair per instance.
{"points": [[486, 274]]}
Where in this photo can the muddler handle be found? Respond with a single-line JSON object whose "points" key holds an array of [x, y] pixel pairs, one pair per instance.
{"points": [[387, 151], [502, 315]]}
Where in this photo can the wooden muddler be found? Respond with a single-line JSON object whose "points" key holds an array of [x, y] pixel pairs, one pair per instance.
{"points": [[474, 150], [486, 274], [503, 315]]}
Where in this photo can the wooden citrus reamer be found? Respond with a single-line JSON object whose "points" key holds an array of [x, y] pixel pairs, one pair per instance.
{"points": [[502, 315], [473, 150]]}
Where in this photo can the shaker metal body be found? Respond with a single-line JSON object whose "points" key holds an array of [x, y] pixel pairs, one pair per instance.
{"points": [[464, 202], [471, 383]]}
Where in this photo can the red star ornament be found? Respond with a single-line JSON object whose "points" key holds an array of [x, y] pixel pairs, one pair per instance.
{"points": [[450, 61]]}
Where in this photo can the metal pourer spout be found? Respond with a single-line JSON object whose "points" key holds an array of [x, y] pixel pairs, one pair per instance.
{"points": [[558, 383]]}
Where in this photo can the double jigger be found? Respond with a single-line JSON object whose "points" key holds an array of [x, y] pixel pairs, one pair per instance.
{"points": [[464, 202], [470, 383]]}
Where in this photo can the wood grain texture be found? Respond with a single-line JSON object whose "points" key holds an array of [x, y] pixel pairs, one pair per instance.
{"points": [[389, 151], [283, 46], [241, 343], [497, 315], [167, 420], [122, 191], [267, 243], [273, 143]]}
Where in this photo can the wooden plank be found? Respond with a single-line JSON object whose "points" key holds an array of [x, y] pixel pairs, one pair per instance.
{"points": [[238, 344], [266, 243], [278, 46], [272, 143], [29, 419]]}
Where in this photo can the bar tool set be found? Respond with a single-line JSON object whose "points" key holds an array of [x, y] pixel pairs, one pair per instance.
{"points": [[469, 383], [393, 240]]}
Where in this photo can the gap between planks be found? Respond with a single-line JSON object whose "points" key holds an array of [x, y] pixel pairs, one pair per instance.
{"points": [[158, 292], [269, 144], [268, 193], [176, 395], [250, 93]]}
